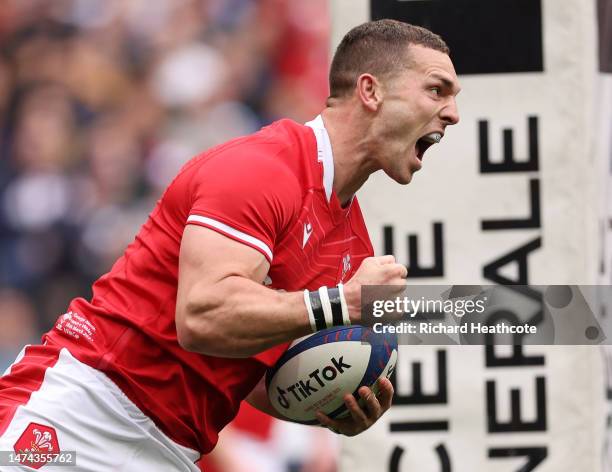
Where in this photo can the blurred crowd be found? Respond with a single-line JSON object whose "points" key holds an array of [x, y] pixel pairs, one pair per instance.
{"points": [[101, 102]]}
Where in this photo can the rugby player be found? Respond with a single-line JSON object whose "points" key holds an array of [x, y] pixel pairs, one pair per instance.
{"points": [[145, 374]]}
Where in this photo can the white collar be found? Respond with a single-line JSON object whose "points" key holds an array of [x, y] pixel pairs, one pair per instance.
{"points": [[324, 153]]}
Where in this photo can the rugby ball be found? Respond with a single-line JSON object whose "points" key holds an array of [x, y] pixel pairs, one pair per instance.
{"points": [[318, 370]]}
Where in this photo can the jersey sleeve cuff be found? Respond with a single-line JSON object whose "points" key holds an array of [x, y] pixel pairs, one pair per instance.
{"points": [[232, 233]]}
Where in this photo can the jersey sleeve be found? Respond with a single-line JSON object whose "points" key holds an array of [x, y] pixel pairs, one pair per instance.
{"points": [[249, 197]]}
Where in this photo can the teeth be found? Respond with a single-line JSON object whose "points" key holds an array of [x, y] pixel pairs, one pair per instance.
{"points": [[433, 137]]}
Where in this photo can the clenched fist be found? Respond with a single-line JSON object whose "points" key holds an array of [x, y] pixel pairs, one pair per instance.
{"points": [[382, 270]]}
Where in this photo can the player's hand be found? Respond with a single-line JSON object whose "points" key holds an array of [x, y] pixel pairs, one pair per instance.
{"points": [[361, 419], [380, 271]]}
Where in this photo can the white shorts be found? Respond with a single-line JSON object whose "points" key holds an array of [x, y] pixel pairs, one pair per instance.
{"points": [[77, 408]]}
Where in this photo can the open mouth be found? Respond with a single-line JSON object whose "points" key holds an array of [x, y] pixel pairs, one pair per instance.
{"points": [[425, 142]]}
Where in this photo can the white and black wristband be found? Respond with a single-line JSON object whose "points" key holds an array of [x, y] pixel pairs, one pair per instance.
{"points": [[327, 308]]}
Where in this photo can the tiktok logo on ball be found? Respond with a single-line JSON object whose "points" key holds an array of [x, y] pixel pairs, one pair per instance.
{"points": [[282, 398], [318, 378]]}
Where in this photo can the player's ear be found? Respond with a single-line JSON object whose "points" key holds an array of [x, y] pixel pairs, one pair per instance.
{"points": [[369, 91]]}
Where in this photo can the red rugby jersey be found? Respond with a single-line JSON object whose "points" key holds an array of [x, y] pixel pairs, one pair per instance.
{"points": [[272, 191]]}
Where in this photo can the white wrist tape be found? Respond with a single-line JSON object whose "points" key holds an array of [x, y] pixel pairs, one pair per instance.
{"points": [[327, 309], [311, 317], [346, 320]]}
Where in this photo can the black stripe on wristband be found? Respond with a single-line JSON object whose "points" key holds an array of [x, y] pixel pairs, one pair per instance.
{"points": [[317, 310], [336, 305]]}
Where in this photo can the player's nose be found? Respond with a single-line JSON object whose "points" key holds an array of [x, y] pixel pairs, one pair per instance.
{"points": [[450, 113]]}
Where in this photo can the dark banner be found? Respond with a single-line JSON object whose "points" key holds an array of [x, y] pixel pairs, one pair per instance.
{"points": [[604, 15], [485, 36]]}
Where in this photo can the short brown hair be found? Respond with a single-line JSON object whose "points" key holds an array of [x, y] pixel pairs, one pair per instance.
{"points": [[379, 48]]}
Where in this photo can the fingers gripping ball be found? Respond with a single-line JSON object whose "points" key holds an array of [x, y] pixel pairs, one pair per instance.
{"points": [[317, 371]]}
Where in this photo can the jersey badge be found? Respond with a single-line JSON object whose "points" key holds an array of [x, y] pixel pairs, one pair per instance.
{"points": [[36, 444], [346, 265]]}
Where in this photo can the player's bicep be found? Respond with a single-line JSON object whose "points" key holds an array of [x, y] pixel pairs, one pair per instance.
{"points": [[208, 255], [207, 258]]}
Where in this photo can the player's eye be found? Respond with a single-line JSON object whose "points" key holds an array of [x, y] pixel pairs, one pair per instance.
{"points": [[436, 90]]}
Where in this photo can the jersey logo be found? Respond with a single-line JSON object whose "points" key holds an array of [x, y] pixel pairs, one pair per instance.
{"points": [[36, 444], [307, 233], [346, 266]]}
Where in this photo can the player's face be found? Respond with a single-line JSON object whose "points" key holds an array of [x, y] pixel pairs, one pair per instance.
{"points": [[419, 103]]}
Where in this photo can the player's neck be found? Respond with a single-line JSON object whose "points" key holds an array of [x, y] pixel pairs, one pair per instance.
{"points": [[352, 163]]}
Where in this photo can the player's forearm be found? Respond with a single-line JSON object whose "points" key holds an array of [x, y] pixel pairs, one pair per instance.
{"points": [[237, 317], [258, 398]]}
